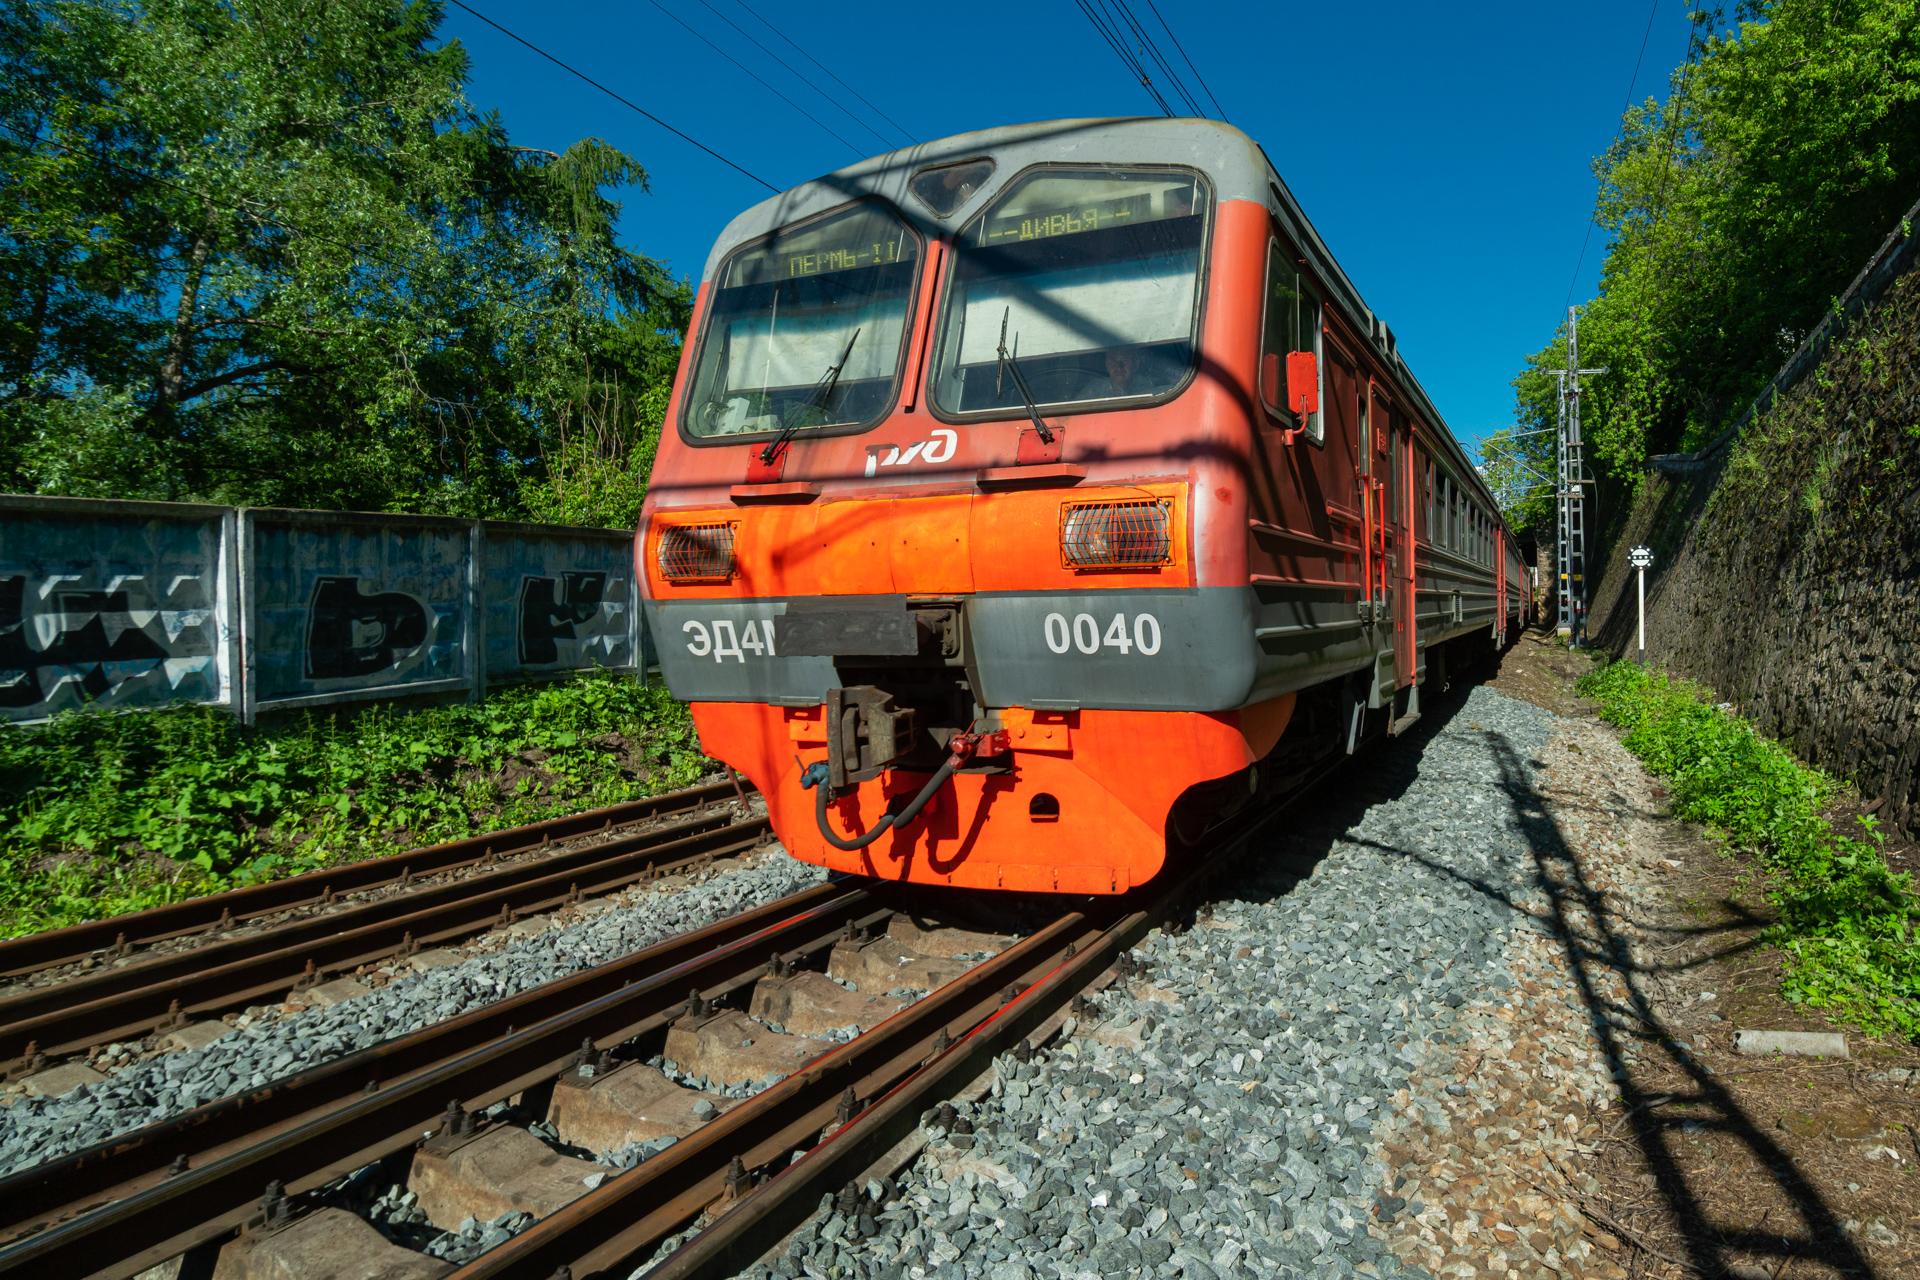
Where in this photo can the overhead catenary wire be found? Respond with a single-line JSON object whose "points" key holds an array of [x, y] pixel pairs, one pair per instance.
{"points": [[1130, 49], [617, 97], [756, 78], [1220, 110], [1134, 69], [799, 75], [1151, 47], [905, 132], [1673, 115], [1625, 105]]}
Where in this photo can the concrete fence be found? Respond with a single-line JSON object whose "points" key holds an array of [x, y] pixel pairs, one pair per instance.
{"points": [[143, 604]]}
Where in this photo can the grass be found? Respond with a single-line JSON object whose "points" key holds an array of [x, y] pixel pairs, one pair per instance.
{"points": [[1846, 919], [103, 813]]}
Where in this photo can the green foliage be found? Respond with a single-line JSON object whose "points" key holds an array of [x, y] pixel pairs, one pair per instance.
{"points": [[595, 476], [1847, 920], [106, 812], [1737, 210], [261, 251]]}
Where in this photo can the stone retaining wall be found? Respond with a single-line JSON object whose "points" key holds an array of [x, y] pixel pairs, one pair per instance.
{"points": [[1787, 573]]}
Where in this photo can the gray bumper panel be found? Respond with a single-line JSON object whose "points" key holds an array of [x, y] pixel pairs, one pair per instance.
{"points": [[1206, 649], [1172, 650]]}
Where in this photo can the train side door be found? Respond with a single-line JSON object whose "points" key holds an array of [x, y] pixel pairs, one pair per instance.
{"points": [[1393, 470], [1405, 629]]}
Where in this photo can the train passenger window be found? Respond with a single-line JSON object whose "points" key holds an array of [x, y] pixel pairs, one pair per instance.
{"points": [[1292, 323], [806, 327], [1090, 278]]}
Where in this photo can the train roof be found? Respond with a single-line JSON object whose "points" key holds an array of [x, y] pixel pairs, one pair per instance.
{"points": [[1238, 167]]}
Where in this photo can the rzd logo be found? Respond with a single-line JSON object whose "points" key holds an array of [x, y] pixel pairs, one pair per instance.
{"points": [[937, 450]]}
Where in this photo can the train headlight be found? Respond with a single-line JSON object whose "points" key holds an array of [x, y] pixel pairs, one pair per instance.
{"points": [[1115, 535], [693, 553]]}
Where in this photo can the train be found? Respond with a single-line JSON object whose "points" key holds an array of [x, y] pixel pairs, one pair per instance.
{"points": [[1032, 500]]}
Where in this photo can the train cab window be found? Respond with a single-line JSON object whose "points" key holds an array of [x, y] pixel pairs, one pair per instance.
{"points": [[1090, 278], [806, 328], [1292, 323]]}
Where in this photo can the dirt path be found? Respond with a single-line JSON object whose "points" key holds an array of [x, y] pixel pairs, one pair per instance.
{"points": [[1701, 1162]]}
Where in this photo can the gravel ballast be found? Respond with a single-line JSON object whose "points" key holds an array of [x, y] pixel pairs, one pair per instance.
{"points": [[1225, 1113], [36, 1130]]}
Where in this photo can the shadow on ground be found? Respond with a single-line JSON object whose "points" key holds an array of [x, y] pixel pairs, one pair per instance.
{"points": [[1592, 932]]}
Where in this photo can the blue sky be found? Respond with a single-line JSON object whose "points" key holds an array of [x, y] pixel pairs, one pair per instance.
{"points": [[1444, 152]]}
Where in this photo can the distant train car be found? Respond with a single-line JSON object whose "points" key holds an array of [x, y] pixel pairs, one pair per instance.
{"points": [[1031, 499]]}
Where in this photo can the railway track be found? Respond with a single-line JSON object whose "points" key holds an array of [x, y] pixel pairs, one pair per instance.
{"points": [[256, 1166], [117, 936], [239, 954]]}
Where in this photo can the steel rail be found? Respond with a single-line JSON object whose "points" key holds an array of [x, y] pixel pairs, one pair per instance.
{"points": [[117, 934], [158, 991], [317, 1126], [744, 1231], [611, 1229]]}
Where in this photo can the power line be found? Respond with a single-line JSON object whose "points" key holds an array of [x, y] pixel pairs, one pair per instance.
{"points": [[1673, 116], [1632, 80], [1131, 50], [1114, 43], [1152, 49], [1189, 61], [623, 101], [824, 126], [796, 74], [905, 133]]}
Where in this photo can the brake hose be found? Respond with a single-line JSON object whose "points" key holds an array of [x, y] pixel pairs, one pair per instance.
{"points": [[889, 821]]}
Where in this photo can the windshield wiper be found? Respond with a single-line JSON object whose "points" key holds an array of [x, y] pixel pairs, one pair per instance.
{"points": [[1010, 364], [816, 403]]}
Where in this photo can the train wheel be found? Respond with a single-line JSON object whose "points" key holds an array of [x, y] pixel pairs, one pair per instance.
{"points": [[1208, 805]]}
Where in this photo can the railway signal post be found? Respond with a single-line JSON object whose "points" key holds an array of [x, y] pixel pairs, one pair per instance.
{"points": [[1641, 558]]}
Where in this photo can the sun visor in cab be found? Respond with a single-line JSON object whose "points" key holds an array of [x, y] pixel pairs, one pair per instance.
{"points": [[872, 627]]}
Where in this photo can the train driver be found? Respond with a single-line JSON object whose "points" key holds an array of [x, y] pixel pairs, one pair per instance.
{"points": [[1123, 370]]}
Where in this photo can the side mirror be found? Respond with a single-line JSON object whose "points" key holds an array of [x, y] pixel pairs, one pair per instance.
{"points": [[1303, 383], [1270, 390]]}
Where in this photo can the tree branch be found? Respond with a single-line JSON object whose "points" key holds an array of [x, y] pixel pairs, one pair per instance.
{"points": [[235, 374]]}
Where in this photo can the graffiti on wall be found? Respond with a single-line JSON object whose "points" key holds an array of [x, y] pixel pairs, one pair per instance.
{"points": [[65, 641], [553, 610], [139, 604], [353, 632]]}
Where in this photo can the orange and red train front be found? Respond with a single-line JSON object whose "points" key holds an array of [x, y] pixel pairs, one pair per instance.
{"points": [[861, 558]]}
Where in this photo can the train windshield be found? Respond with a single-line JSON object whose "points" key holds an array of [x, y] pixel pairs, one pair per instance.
{"points": [[1090, 279], [805, 328]]}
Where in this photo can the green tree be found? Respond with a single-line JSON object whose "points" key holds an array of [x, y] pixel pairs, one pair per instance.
{"points": [[264, 251], [1737, 210]]}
